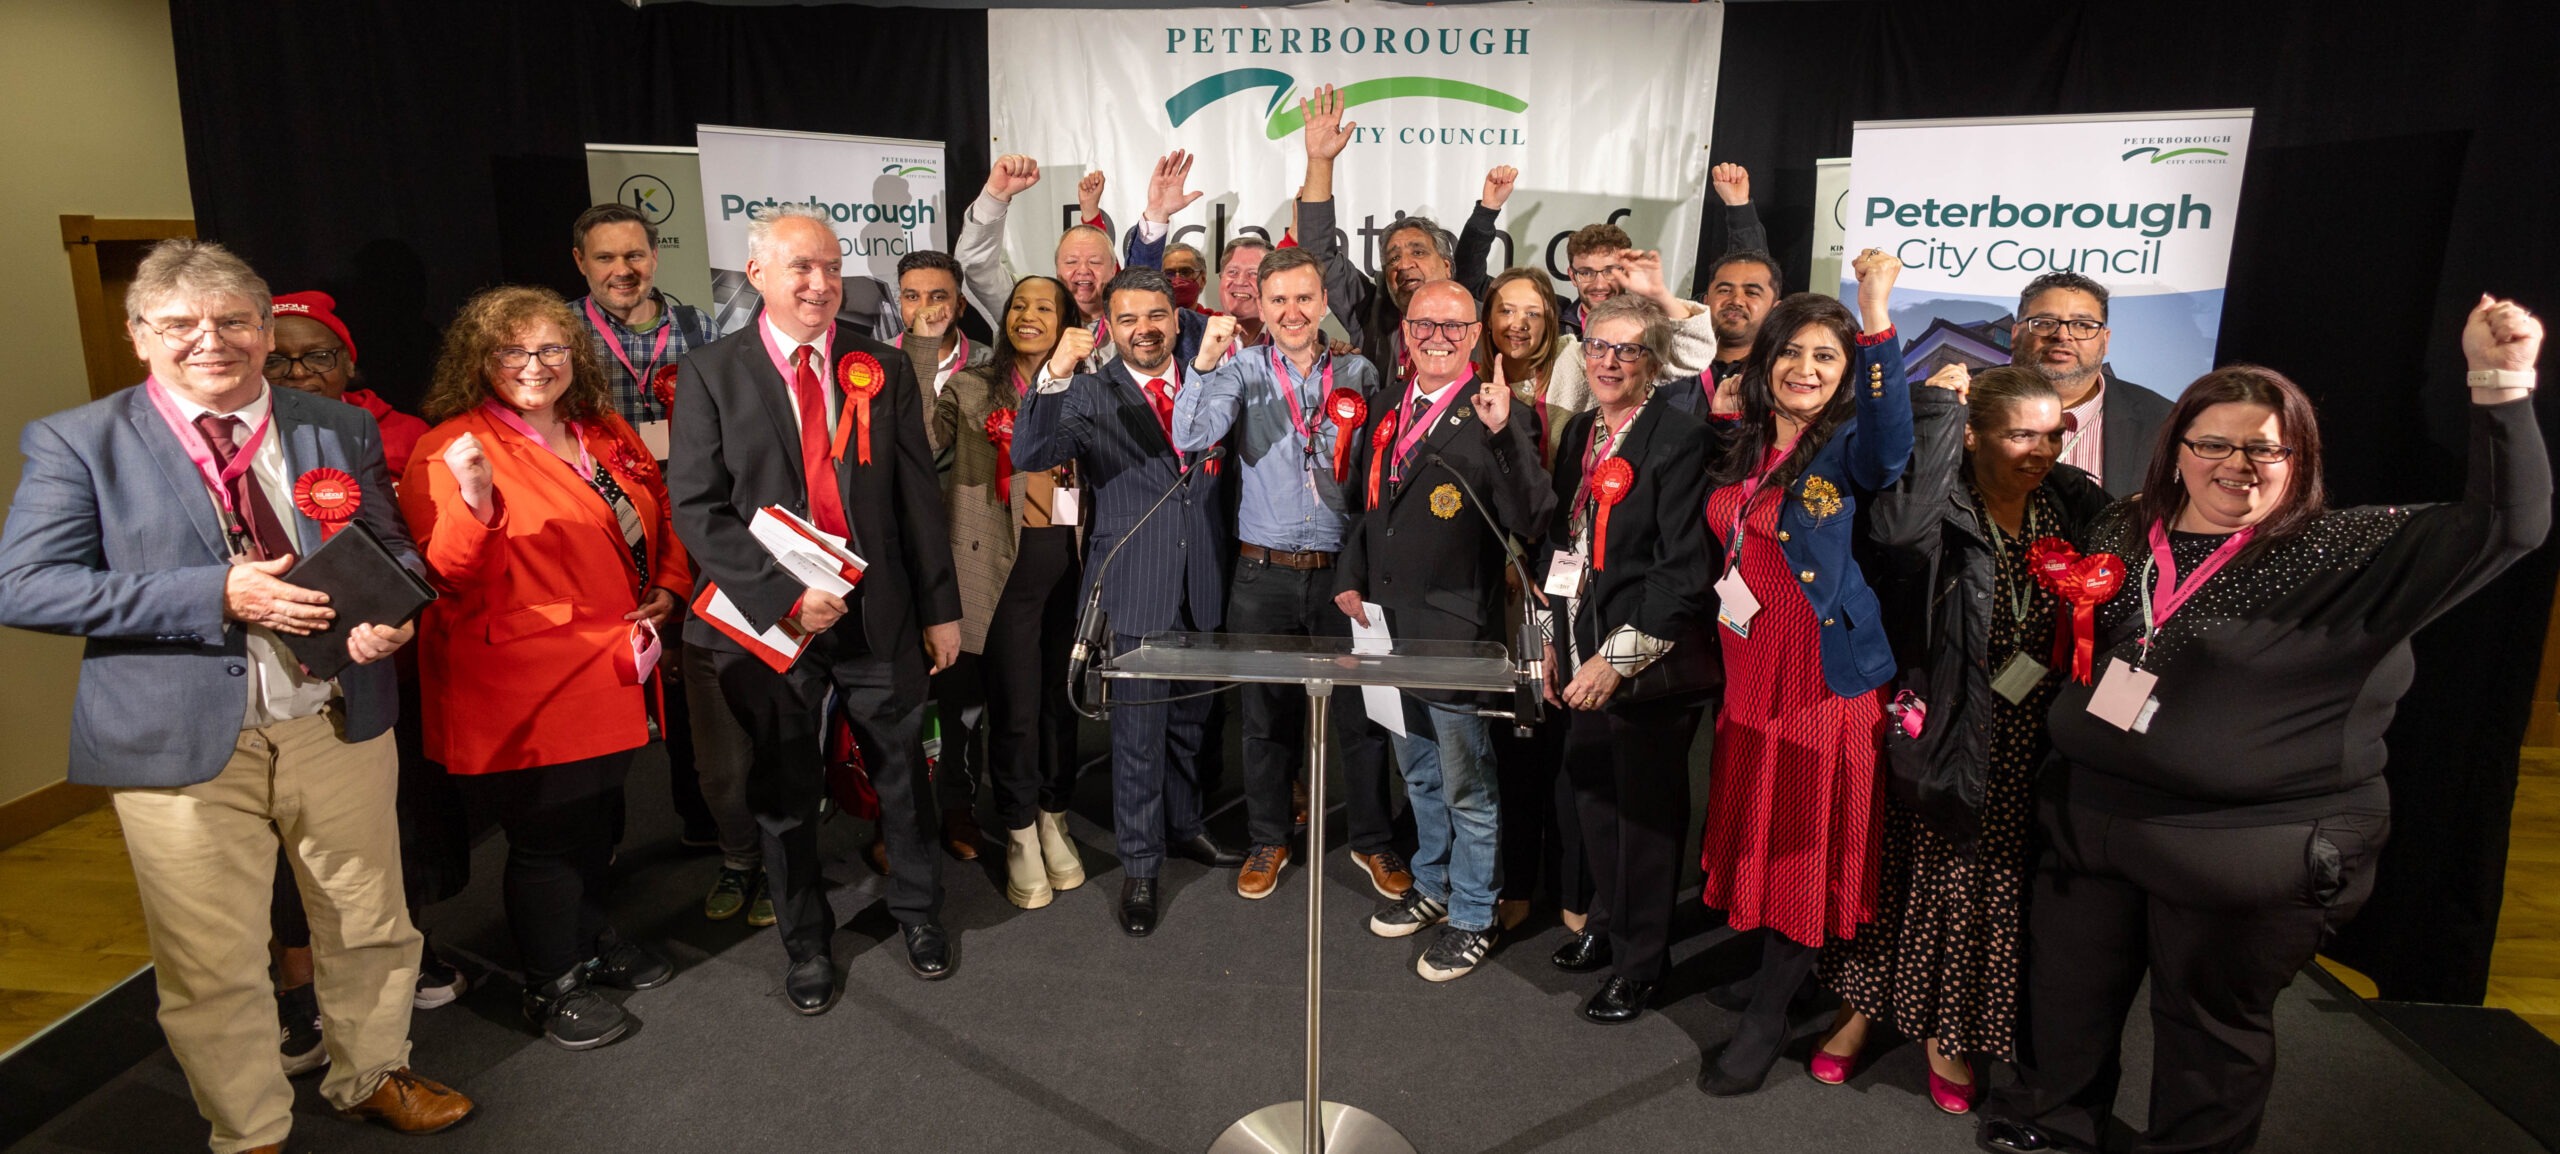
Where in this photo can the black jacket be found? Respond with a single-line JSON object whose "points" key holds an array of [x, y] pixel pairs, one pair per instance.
{"points": [[1363, 302], [2132, 422], [1661, 564]]}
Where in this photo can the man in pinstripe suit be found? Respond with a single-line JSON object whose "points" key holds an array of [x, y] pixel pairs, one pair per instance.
{"points": [[1116, 425]]}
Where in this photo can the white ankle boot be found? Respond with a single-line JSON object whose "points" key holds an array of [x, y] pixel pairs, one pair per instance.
{"points": [[1026, 877], [1066, 870]]}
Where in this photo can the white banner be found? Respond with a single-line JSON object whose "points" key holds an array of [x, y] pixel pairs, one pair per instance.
{"points": [[664, 185], [2142, 203], [885, 197], [1830, 223], [1604, 107]]}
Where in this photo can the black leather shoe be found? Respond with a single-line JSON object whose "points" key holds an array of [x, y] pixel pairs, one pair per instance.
{"points": [[928, 951], [1208, 853], [1582, 953], [2002, 1136], [1137, 906], [811, 985], [627, 965], [1619, 1000]]}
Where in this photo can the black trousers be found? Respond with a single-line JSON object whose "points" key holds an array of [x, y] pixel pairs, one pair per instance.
{"points": [[1031, 725], [675, 726], [1541, 838], [1263, 598], [960, 714], [1155, 763], [2221, 918], [1630, 773], [559, 821], [784, 715]]}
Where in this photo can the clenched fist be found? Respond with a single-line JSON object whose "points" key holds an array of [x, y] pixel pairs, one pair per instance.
{"points": [[471, 473], [1074, 345], [1215, 340], [1089, 195], [1876, 270], [1497, 186], [2501, 335], [1732, 184], [1012, 174]]}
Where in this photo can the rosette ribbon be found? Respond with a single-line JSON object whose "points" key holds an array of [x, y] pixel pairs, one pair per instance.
{"points": [[1000, 434], [2081, 583], [328, 496], [861, 376], [1349, 411], [1381, 446], [1609, 485], [663, 383]]}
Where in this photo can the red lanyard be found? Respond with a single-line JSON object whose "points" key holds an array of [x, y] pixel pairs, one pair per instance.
{"points": [[1412, 434], [586, 463], [216, 477], [1289, 392], [666, 324], [2157, 613], [1733, 541]]}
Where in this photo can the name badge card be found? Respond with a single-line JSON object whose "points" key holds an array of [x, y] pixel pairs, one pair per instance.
{"points": [[1739, 606], [2018, 678], [653, 434], [1564, 574], [2123, 698], [1063, 506]]}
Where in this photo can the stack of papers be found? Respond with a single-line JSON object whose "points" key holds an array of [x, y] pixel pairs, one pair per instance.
{"points": [[812, 556]]}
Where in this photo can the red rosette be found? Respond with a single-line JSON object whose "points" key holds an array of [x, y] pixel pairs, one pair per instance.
{"points": [[1000, 434], [1349, 411], [2081, 583], [1381, 446], [861, 376], [328, 496], [634, 463], [1609, 485], [663, 383]]}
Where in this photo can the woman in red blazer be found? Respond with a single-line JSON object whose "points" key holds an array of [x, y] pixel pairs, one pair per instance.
{"points": [[547, 528]]}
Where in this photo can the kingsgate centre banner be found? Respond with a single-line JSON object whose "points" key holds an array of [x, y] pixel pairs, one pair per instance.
{"points": [[1605, 108], [883, 196], [2144, 204], [663, 185]]}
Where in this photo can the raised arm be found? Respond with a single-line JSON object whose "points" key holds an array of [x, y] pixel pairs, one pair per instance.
{"points": [[1052, 427], [1743, 231], [1880, 441], [979, 249], [1350, 292], [1470, 265], [1213, 397]]}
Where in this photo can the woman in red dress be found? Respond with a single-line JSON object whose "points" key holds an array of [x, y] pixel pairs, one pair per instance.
{"points": [[1792, 819]]}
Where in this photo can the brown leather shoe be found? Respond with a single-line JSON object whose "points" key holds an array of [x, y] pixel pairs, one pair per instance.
{"points": [[1387, 874], [877, 853], [1261, 873], [411, 1105], [960, 834]]}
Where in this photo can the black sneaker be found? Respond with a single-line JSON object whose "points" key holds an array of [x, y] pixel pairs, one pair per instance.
{"points": [[438, 982], [627, 966], [298, 1015], [573, 1015], [1455, 955], [1408, 917]]}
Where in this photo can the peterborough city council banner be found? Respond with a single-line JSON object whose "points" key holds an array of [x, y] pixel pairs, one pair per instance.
{"points": [[664, 185], [2143, 203], [1604, 107], [884, 196]]}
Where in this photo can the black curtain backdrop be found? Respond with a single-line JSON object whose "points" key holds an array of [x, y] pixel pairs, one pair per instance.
{"points": [[403, 156]]}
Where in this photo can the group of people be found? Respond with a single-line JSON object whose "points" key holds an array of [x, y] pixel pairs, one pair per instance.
{"points": [[2024, 683]]}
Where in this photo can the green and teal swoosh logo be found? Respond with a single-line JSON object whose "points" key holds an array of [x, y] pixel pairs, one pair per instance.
{"points": [[907, 170], [1284, 117], [2157, 156]]}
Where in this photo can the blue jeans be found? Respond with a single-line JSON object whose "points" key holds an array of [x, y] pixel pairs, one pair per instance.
{"points": [[1449, 782]]}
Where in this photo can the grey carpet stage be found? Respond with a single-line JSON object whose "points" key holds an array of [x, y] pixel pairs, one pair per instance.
{"points": [[1058, 1033]]}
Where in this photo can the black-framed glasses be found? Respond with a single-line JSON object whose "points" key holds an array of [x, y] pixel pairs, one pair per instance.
{"points": [[2213, 450], [1614, 353], [1582, 274], [317, 362], [182, 334], [551, 355], [1448, 330], [2079, 328]]}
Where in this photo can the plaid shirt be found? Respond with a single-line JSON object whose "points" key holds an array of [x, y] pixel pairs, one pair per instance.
{"points": [[687, 329]]}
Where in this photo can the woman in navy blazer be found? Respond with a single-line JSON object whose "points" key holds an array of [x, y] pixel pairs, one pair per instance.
{"points": [[1792, 801]]}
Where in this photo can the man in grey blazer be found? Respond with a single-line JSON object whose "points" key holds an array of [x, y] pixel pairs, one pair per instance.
{"points": [[2108, 422], [157, 523]]}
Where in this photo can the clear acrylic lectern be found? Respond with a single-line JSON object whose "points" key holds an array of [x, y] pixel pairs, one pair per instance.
{"points": [[1319, 664]]}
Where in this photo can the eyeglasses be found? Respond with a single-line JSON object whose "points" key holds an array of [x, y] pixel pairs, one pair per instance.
{"points": [[552, 355], [2081, 329], [1616, 354], [181, 335], [1182, 274], [317, 362], [2211, 450], [1581, 274], [1448, 330]]}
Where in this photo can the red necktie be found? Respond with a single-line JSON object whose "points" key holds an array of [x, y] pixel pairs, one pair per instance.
{"points": [[826, 501], [267, 536], [1162, 402]]}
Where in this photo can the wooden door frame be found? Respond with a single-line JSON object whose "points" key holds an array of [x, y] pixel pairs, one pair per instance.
{"points": [[102, 342]]}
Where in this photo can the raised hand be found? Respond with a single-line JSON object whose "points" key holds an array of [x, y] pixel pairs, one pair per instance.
{"points": [[1327, 133], [1640, 273], [2501, 335], [1074, 345], [1497, 186], [1493, 401], [1732, 184], [1089, 195], [1954, 377], [1215, 341], [1012, 174], [1876, 270], [1165, 195], [470, 465]]}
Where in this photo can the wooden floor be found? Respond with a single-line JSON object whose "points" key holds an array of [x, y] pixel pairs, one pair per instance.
{"points": [[70, 923]]}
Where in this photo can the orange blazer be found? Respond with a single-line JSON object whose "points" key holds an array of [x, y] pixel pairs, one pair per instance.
{"points": [[516, 661]]}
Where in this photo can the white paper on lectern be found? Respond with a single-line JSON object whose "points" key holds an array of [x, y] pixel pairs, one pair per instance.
{"points": [[1385, 703]]}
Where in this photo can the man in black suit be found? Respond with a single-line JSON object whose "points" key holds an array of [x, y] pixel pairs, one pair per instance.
{"points": [[1435, 568], [1116, 424], [761, 420], [2108, 422]]}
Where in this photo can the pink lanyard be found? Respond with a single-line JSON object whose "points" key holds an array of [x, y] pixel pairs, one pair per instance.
{"points": [[959, 356], [1289, 392], [666, 324], [2168, 602], [216, 477], [1733, 540], [1021, 387], [586, 464], [1591, 458], [1412, 436]]}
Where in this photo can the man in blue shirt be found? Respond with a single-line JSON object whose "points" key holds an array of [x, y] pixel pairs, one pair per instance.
{"points": [[1279, 401]]}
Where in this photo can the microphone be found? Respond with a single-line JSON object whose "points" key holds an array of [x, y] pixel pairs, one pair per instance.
{"points": [[1092, 651], [1528, 705]]}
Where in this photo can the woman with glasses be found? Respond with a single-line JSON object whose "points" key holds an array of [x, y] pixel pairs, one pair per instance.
{"points": [[1790, 843], [546, 526], [315, 353], [1693, 347], [1626, 574], [2218, 801]]}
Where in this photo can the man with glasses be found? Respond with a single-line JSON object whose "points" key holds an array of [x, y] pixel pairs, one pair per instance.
{"points": [[1595, 254], [2108, 422], [1431, 566], [158, 523]]}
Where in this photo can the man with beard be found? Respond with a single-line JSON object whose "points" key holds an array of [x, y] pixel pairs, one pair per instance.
{"points": [[2108, 422], [1740, 288], [1115, 423], [1084, 259]]}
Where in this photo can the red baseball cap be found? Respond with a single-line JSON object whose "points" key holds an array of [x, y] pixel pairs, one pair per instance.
{"points": [[321, 307]]}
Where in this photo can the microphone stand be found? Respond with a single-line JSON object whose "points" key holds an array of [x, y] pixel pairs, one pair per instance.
{"points": [[1092, 651], [1527, 703]]}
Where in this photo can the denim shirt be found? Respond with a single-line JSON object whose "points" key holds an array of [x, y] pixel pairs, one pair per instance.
{"points": [[1291, 501]]}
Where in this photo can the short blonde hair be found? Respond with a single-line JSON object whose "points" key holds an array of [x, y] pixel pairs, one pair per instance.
{"points": [[182, 267]]}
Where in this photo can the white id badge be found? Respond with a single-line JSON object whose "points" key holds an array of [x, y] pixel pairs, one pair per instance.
{"points": [[2018, 678], [1564, 574], [1739, 606], [1063, 506], [653, 435], [2123, 698]]}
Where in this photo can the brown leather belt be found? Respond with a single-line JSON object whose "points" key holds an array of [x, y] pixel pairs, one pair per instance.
{"points": [[1284, 560]]}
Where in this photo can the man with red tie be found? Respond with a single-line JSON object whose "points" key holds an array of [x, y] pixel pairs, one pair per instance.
{"points": [[807, 414]]}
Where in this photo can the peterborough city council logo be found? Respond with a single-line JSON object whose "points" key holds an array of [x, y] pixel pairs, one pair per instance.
{"points": [[1283, 114]]}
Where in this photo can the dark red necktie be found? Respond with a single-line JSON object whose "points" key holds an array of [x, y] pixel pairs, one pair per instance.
{"points": [[826, 502], [1162, 402], [267, 536]]}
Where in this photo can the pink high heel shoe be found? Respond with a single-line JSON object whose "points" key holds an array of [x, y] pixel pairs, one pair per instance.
{"points": [[1952, 1097]]}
